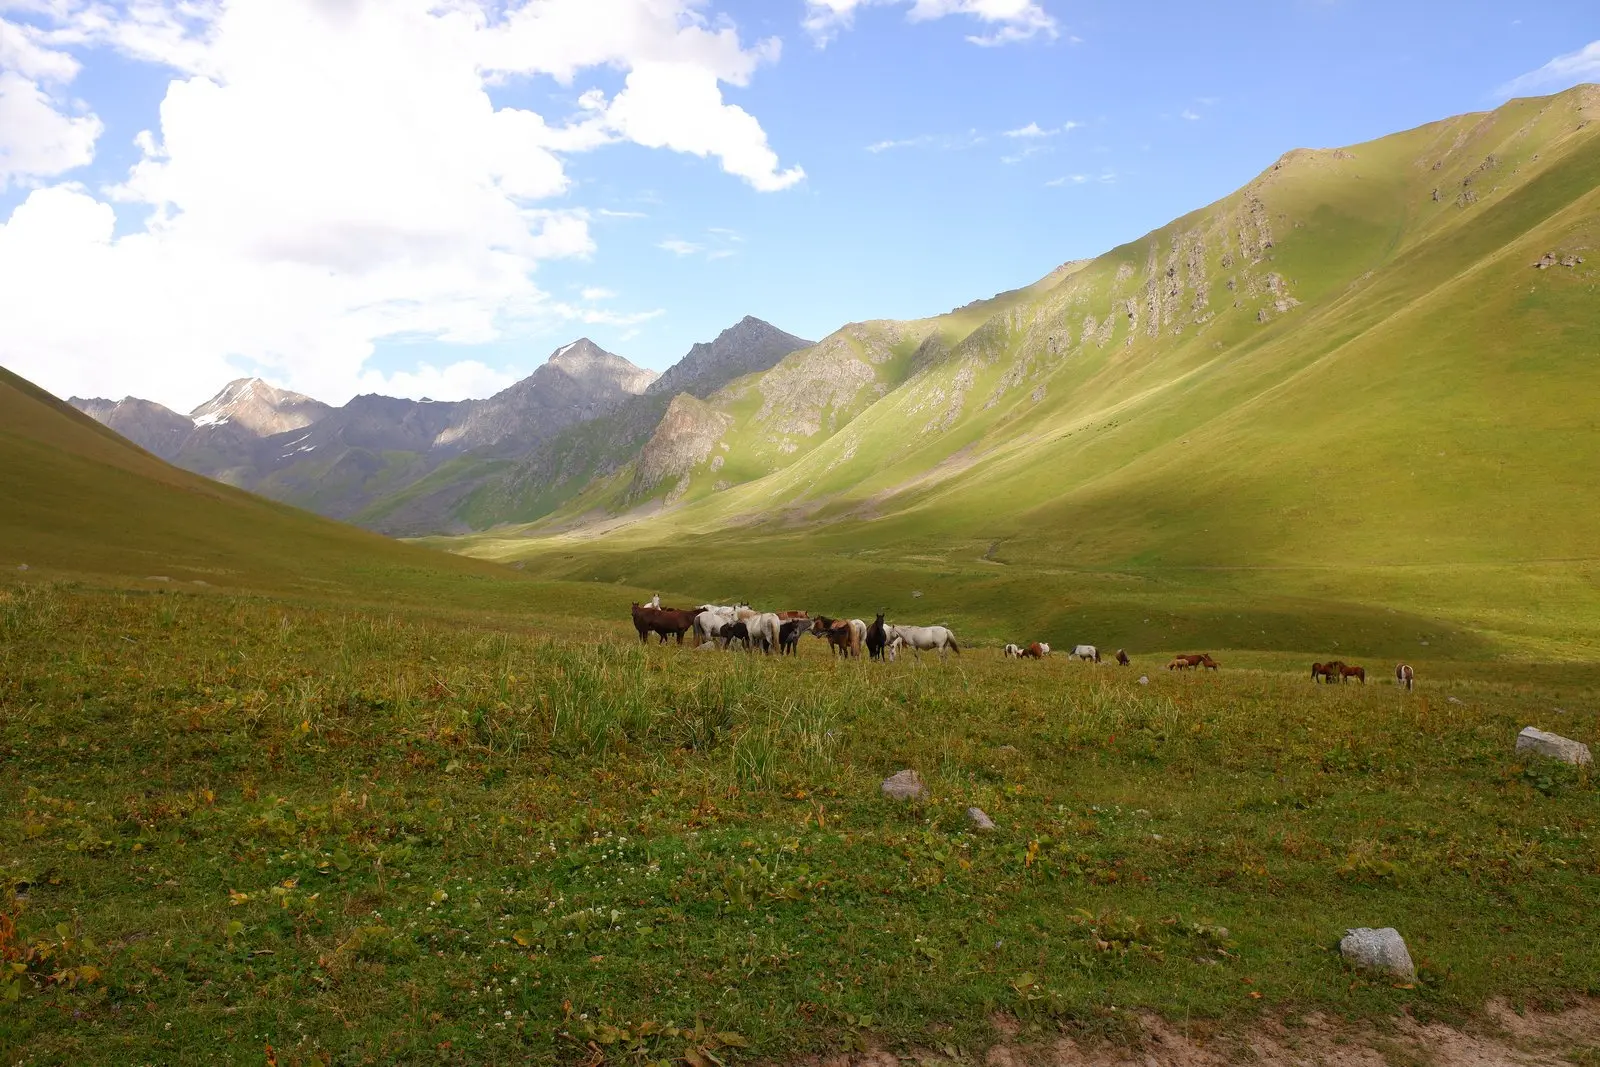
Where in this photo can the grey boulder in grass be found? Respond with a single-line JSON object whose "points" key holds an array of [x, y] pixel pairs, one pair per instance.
{"points": [[1553, 746], [905, 785], [978, 819], [1382, 950]]}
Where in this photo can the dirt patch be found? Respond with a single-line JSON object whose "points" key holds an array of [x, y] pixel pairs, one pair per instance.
{"points": [[1499, 1038]]}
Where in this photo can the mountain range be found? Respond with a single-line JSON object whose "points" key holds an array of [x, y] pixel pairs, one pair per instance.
{"points": [[355, 462]]}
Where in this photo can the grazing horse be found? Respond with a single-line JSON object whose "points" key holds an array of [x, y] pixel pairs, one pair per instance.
{"points": [[1208, 663], [792, 616], [735, 631], [789, 635], [841, 635], [1014, 651], [1346, 673], [1179, 663], [662, 621], [1122, 658], [926, 639], [1322, 671], [1087, 653], [709, 625], [877, 637], [1404, 675], [1036, 651], [765, 629]]}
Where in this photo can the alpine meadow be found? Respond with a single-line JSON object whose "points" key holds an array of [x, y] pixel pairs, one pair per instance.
{"points": [[408, 777]]}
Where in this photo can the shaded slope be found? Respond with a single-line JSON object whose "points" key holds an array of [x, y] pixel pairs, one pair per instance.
{"points": [[80, 500]]}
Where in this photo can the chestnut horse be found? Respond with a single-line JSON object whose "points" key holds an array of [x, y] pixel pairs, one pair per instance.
{"points": [[663, 621], [840, 634], [1346, 673], [1321, 671]]}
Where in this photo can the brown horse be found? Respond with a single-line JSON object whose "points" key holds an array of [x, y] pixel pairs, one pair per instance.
{"points": [[663, 621], [840, 634], [1346, 673], [1207, 662], [1036, 651], [1321, 671], [1122, 658], [1179, 663]]}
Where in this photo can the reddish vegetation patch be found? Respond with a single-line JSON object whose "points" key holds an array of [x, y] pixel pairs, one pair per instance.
{"points": [[1501, 1038]]}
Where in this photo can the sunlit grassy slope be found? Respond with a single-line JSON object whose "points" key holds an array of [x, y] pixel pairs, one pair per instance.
{"points": [[78, 501], [1340, 405]]}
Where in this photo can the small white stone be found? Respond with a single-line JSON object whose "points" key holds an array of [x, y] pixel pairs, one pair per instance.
{"points": [[1144, 679], [1379, 950], [1553, 746], [979, 820]]}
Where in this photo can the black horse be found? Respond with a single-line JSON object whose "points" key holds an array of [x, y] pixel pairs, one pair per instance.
{"points": [[789, 636], [876, 638]]}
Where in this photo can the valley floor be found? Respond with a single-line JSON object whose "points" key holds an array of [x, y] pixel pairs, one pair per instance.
{"points": [[244, 827]]}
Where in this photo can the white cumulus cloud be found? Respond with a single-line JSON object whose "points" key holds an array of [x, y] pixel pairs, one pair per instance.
{"points": [[328, 174]]}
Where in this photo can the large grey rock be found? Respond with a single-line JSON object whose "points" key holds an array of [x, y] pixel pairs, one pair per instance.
{"points": [[1379, 950], [979, 820], [1553, 746], [905, 785]]}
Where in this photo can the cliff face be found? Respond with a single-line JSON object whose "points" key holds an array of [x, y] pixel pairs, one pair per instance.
{"points": [[685, 438]]}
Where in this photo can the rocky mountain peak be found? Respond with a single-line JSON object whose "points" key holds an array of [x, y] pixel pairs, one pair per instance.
{"points": [[264, 410], [588, 363], [748, 346]]}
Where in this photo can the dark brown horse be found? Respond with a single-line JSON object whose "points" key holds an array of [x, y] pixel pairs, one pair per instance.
{"points": [[1207, 662], [1324, 671], [663, 621], [1122, 658], [877, 638], [789, 635]]}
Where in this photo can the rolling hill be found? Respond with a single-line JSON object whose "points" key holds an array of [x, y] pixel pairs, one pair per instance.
{"points": [[1355, 401], [82, 503]]}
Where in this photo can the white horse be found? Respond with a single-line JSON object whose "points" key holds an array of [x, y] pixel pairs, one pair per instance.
{"points": [[1088, 653], [1014, 651], [708, 624], [764, 630], [858, 632], [922, 639], [655, 602]]}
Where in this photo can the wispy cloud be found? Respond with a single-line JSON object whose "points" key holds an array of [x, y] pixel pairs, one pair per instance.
{"points": [[1560, 73], [908, 142], [680, 248], [594, 293], [1066, 179], [1027, 151], [1190, 114], [1033, 129], [1013, 20], [606, 212]]}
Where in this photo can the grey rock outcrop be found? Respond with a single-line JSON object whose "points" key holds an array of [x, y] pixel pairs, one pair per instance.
{"points": [[683, 440], [153, 427], [262, 409], [1383, 951], [1553, 746], [748, 346], [905, 785], [979, 820]]}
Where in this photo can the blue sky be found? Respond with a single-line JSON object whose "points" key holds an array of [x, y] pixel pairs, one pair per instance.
{"points": [[290, 222]]}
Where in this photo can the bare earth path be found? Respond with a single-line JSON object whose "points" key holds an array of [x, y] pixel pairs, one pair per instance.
{"points": [[1502, 1038]]}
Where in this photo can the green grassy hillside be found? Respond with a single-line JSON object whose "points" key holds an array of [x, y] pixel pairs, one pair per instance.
{"points": [[80, 502], [1342, 404]]}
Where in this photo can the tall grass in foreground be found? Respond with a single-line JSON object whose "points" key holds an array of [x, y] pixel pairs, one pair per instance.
{"points": [[373, 836]]}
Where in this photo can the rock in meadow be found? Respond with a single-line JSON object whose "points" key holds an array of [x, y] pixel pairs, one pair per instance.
{"points": [[1144, 679], [905, 785], [1553, 746], [22, 566], [979, 820], [1382, 950]]}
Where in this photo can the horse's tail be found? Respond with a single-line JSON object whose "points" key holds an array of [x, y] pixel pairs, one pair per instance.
{"points": [[950, 639]]}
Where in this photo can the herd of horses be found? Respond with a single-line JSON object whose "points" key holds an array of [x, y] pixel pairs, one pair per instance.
{"points": [[780, 632]]}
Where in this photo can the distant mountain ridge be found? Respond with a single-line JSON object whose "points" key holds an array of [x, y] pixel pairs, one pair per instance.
{"points": [[362, 461]]}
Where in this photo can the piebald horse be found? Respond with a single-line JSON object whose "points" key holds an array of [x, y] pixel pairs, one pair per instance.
{"points": [[1404, 675]]}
